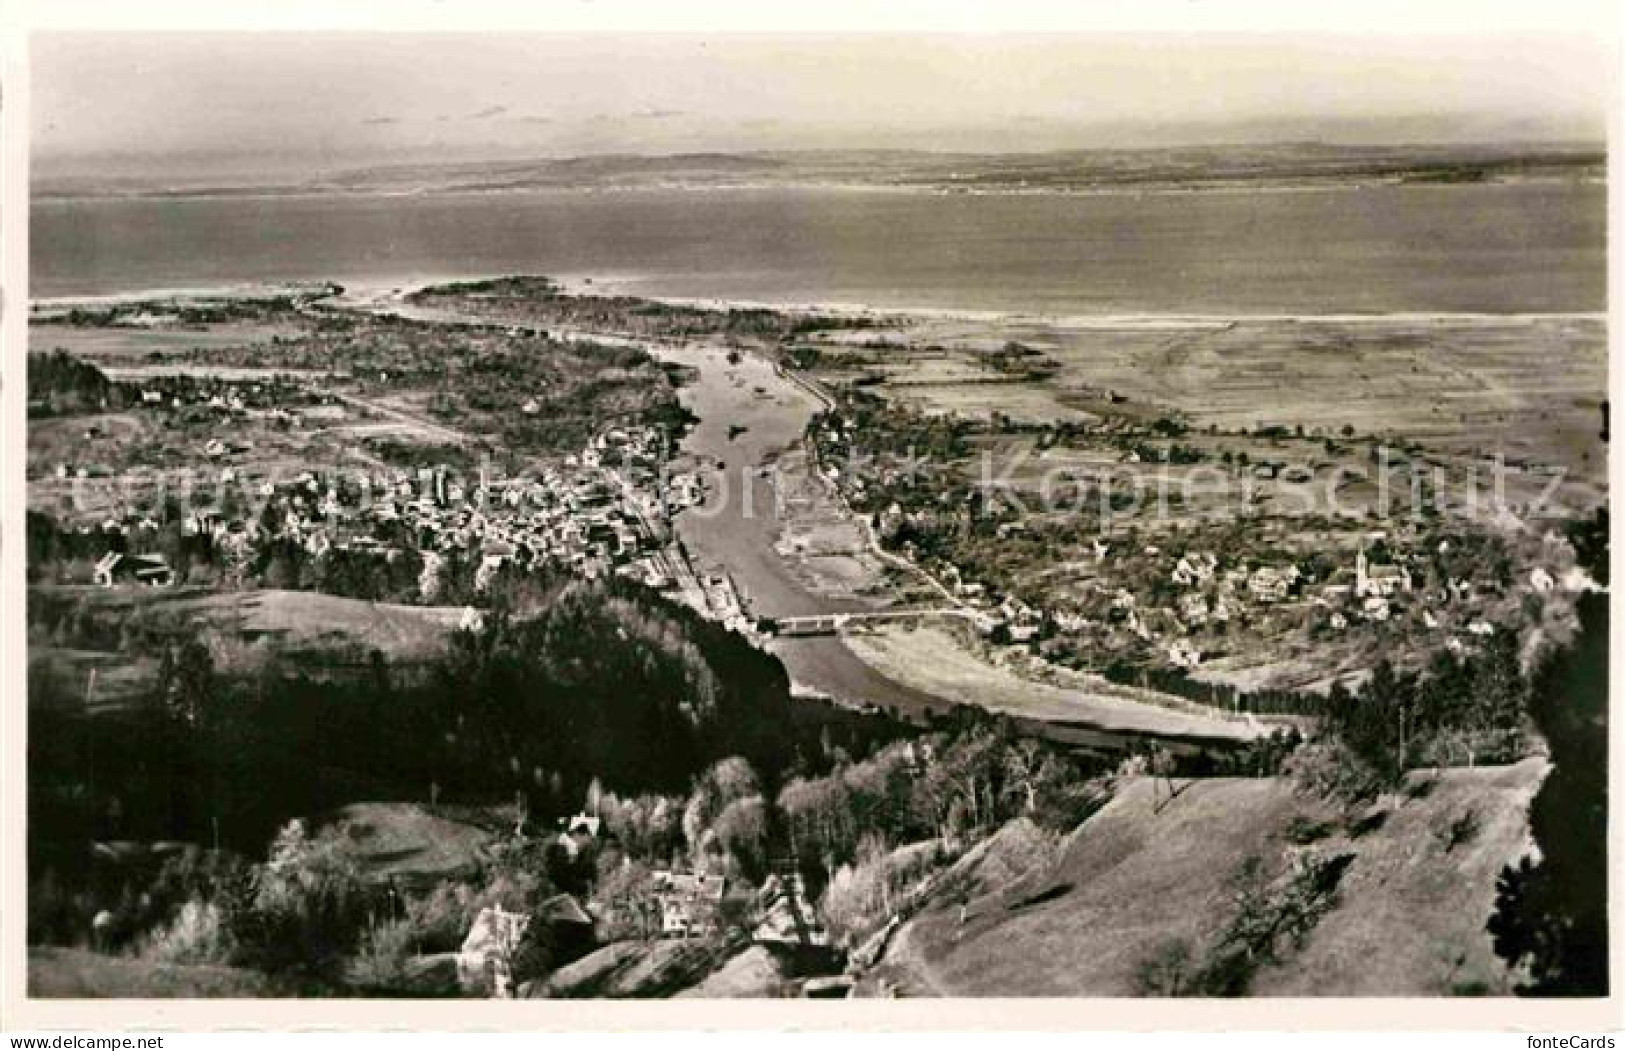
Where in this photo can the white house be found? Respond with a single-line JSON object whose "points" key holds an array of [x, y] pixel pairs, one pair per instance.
{"points": [[485, 960], [1195, 569], [1380, 581], [1272, 583], [105, 567], [1184, 655]]}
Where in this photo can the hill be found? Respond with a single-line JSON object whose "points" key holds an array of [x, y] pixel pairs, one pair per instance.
{"points": [[1249, 153], [405, 841], [120, 631], [1147, 873]]}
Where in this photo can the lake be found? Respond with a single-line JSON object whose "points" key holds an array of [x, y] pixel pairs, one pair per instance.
{"points": [[1534, 247]]}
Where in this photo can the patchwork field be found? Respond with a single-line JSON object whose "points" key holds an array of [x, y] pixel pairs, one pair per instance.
{"points": [[1034, 402], [1529, 387]]}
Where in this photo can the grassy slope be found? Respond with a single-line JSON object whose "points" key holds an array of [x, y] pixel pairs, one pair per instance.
{"points": [[309, 619], [298, 614], [631, 970], [323, 629], [1414, 908], [754, 973], [56, 973], [1410, 922]]}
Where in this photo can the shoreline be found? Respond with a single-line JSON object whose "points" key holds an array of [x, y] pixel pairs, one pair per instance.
{"points": [[358, 293], [626, 285], [246, 290]]}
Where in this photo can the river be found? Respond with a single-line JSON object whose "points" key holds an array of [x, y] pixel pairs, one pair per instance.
{"points": [[750, 413]]}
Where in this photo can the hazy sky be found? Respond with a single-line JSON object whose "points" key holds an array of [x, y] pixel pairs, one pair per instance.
{"points": [[318, 101]]}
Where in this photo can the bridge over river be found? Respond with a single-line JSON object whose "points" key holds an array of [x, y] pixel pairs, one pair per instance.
{"points": [[835, 623]]}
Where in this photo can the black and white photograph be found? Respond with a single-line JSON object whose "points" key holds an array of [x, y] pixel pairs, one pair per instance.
{"points": [[553, 515]]}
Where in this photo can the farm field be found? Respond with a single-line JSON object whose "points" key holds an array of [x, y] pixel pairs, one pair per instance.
{"points": [[129, 345], [1528, 387], [1034, 402]]}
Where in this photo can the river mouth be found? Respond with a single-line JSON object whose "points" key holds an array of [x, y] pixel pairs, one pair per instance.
{"points": [[747, 448], [750, 416]]}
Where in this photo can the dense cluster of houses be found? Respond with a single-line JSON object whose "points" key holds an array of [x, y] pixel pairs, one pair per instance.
{"points": [[1206, 595], [1169, 605], [602, 511], [1202, 592], [605, 510]]}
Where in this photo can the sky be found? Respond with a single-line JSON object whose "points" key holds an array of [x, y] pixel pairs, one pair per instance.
{"points": [[304, 102]]}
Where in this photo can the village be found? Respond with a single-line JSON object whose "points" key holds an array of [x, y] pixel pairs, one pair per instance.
{"points": [[594, 511], [1131, 556], [602, 511], [680, 907]]}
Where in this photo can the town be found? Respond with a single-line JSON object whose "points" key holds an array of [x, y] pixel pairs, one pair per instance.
{"points": [[443, 517], [238, 491], [1219, 563]]}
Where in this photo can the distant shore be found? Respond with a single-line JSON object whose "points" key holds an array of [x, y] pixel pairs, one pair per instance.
{"points": [[1334, 183]]}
